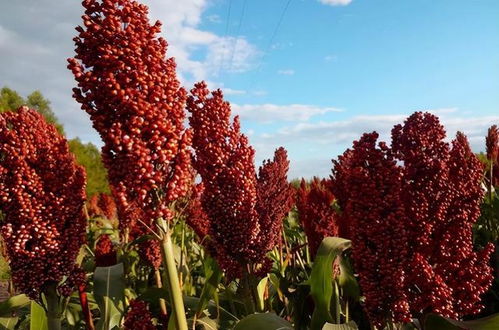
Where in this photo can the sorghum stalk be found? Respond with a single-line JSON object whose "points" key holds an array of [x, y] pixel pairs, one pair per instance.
{"points": [[171, 276], [159, 284], [53, 308]]}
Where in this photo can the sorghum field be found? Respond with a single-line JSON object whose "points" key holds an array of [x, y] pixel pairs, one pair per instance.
{"points": [[187, 232]]}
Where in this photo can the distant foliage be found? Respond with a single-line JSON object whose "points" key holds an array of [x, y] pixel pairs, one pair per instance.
{"points": [[88, 156]]}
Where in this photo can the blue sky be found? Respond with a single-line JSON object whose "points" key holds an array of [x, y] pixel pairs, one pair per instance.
{"points": [[333, 69]]}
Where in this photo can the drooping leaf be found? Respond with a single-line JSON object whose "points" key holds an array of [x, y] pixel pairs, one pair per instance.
{"points": [[38, 319], [346, 280], [263, 321], [321, 279], [12, 304], [345, 326], [109, 292], [261, 292], [437, 322]]}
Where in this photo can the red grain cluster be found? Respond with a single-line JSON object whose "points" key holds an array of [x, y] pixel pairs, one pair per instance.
{"points": [[241, 208], [314, 202], [274, 199], [150, 253], [492, 144], [130, 90], [102, 205], [138, 316], [196, 217], [411, 208], [105, 252], [367, 181], [42, 192]]}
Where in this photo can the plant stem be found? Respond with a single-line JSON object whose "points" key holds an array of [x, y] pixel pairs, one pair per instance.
{"points": [[53, 308], [159, 284], [171, 277]]}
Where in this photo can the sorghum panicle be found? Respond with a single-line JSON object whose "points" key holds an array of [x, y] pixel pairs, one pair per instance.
{"points": [[242, 213], [42, 193], [131, 92], [196, 217], [150, 253], [102, 205], [492, 144], [317, 216], [373, 209], [224, 160], [138, 316], [425, 195], [105, 252], [441, 195], [274, 199]]}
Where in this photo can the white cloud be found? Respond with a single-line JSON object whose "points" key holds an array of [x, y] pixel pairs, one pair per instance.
{"points": [[214, 18], [330, 58], [311, 146], [230, 91], [286, 72], [231, 54], [260, 93], [36, 39], [336, 2], [268, 113]]}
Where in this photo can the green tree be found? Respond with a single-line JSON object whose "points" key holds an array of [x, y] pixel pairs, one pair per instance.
{"points": [[36, 101], [88, 155], [10, 100]]}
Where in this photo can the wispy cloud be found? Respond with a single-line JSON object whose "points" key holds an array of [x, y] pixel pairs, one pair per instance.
{"points": [[230, 91], [286, 72], [268, 113], [336, 2], [214, 19], [36, 38], [307, 141], [330, 58]]}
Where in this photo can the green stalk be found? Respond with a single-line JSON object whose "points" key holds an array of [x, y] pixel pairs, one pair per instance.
{"points": [[171, 277], [53, 311]]}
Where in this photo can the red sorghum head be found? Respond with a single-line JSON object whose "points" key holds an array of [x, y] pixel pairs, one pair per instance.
{"points": [[425, 194], [224, 160], [314, 203], [274, 199], [138, 316], [372, 207], [105, 253], [131, 92], [42, 192], [244, 212], [150, 253]]}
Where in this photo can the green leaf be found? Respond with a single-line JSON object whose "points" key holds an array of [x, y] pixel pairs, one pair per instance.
{"points": [[263, 321], [213, 275], [437, 322], [346, 280], [8, 323], [260, 289], [321, 282], [109, 292], [12, 304], [38, 319], [345, 326]]}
